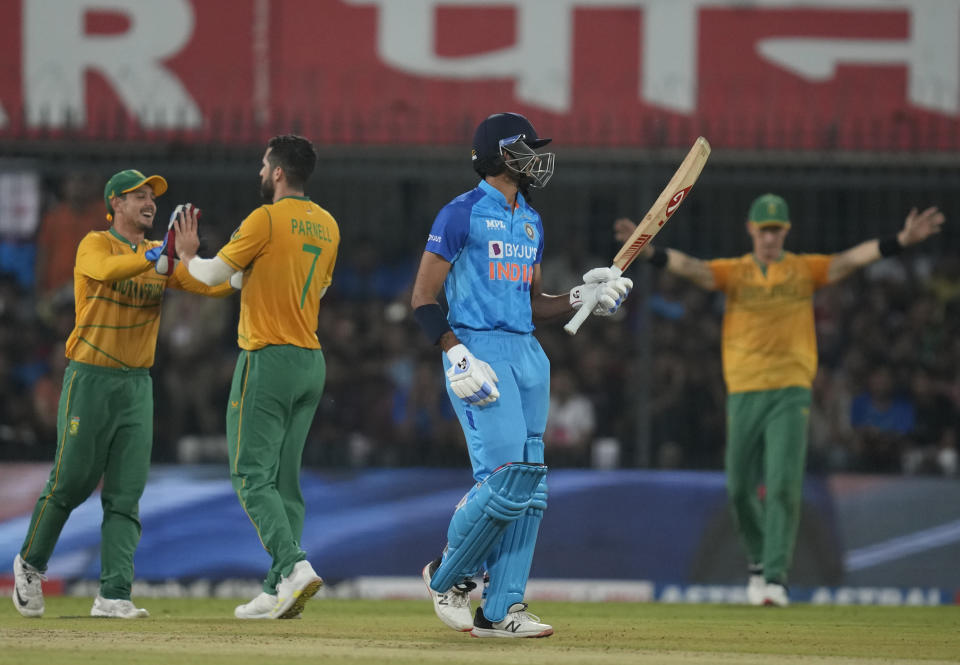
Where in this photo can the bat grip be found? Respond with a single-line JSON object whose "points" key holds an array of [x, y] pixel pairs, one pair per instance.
{"points": [[573, 325]]}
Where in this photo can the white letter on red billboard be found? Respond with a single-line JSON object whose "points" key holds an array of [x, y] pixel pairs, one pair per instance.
{"points": [[931, 53], [57, 54], [539, 61]]}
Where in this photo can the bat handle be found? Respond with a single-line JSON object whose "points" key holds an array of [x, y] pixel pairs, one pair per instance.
{"points": [[573, 325]]}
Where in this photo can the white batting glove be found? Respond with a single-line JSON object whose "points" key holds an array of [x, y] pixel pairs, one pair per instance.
{"points": [[472, 380], [604, 287], [236, 280]]}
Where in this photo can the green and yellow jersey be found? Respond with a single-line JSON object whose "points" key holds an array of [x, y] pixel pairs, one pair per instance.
{"points": [[117, 296], [769, 339], [287, 251]]}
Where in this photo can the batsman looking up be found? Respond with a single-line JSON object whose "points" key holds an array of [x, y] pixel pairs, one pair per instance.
{"points": [[484, 250], [769, 362], [105, 414], [286, 249]]}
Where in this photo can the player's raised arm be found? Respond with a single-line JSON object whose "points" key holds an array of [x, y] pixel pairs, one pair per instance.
{"points": [[684, 265], [918, 227]]}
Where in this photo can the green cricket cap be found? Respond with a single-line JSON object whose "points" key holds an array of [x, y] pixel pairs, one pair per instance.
{"points": [[127, 181], [769, 210]]}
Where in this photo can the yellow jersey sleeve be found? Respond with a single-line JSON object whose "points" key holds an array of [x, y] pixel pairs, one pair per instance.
{"points": [[248, 241], [96, 260], [819, 267], [721, 269]]}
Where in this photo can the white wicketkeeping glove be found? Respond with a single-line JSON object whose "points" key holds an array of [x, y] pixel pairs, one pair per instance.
{"points": [[472, 380], [609, 289]]}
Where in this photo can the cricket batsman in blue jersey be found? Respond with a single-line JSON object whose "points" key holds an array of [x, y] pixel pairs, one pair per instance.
{"points": [[484, 250]]}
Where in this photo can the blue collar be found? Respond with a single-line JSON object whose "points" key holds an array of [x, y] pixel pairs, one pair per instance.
{"points": [[498, 196]]}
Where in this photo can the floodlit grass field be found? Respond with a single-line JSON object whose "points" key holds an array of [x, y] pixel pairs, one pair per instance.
{"points": [[355, 631]]}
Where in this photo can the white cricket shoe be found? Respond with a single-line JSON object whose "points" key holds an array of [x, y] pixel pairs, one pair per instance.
{"points": [[258, 608], [27, 588], [294, 591], [756, 589], [116, 609], [452, 606], [775, 595], [517, 623]]}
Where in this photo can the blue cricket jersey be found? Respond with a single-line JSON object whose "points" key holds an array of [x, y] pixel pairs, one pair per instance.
{"points": [[492, 251]]}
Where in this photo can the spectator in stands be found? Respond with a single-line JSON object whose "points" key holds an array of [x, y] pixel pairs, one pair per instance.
{"points": [[933, 439], [571, 423], [79, 211], [881, 417]]}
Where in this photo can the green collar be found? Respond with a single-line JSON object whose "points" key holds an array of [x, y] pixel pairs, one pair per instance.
{"points": [[122, 239], [762, 265], [291, 196]]}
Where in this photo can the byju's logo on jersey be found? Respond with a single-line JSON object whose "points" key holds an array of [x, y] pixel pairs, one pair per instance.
{"points": [[495, 225], [496, 249]]}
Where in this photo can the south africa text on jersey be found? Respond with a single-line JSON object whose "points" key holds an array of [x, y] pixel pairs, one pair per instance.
{"points": [[146, 293]]}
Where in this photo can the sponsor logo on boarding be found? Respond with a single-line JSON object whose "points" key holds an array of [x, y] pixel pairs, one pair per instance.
{"points": [[495, 225], [74, 425]]}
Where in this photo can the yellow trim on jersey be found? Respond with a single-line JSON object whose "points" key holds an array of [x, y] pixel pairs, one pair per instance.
{"points": [[236, 461], [56, 475]]}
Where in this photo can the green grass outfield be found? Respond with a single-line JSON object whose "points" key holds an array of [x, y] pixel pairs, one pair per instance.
{"points": [[394, 631]]}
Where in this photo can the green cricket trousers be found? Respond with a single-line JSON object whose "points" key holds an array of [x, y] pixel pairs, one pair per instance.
{"points": [[767, 446], [104, 430], [273, 398]]}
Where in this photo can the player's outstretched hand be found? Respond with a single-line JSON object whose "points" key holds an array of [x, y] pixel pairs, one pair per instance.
{"points": [[184, 220], [472, 380], [921, 225], [603, 286]]}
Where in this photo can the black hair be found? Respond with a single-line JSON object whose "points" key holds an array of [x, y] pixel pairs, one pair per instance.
{"points": [[295, 155]]}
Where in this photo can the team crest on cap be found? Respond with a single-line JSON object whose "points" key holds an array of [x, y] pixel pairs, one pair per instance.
{"points": [[771, 208], [528, 229]]}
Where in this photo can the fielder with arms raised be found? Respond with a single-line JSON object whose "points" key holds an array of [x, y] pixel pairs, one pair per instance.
{"points": [[105, 415], [484, 250], [286, 250], [769, 362]]}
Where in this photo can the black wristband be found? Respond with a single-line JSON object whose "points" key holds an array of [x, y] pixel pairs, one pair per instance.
{"points": [[889, 246], [659, 258], [433, 321]]}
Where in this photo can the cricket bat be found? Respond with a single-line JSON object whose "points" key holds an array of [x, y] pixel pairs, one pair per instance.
{"points": [[663, 208]]}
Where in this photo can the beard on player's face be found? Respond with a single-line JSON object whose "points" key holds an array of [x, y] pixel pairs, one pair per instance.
{"points": [[267, 189]]}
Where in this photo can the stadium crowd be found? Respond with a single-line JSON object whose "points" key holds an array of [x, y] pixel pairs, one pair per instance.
{"points": [[886, 399]]}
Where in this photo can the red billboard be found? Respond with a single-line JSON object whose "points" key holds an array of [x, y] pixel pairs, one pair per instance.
{"points": [[768, 74]]}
